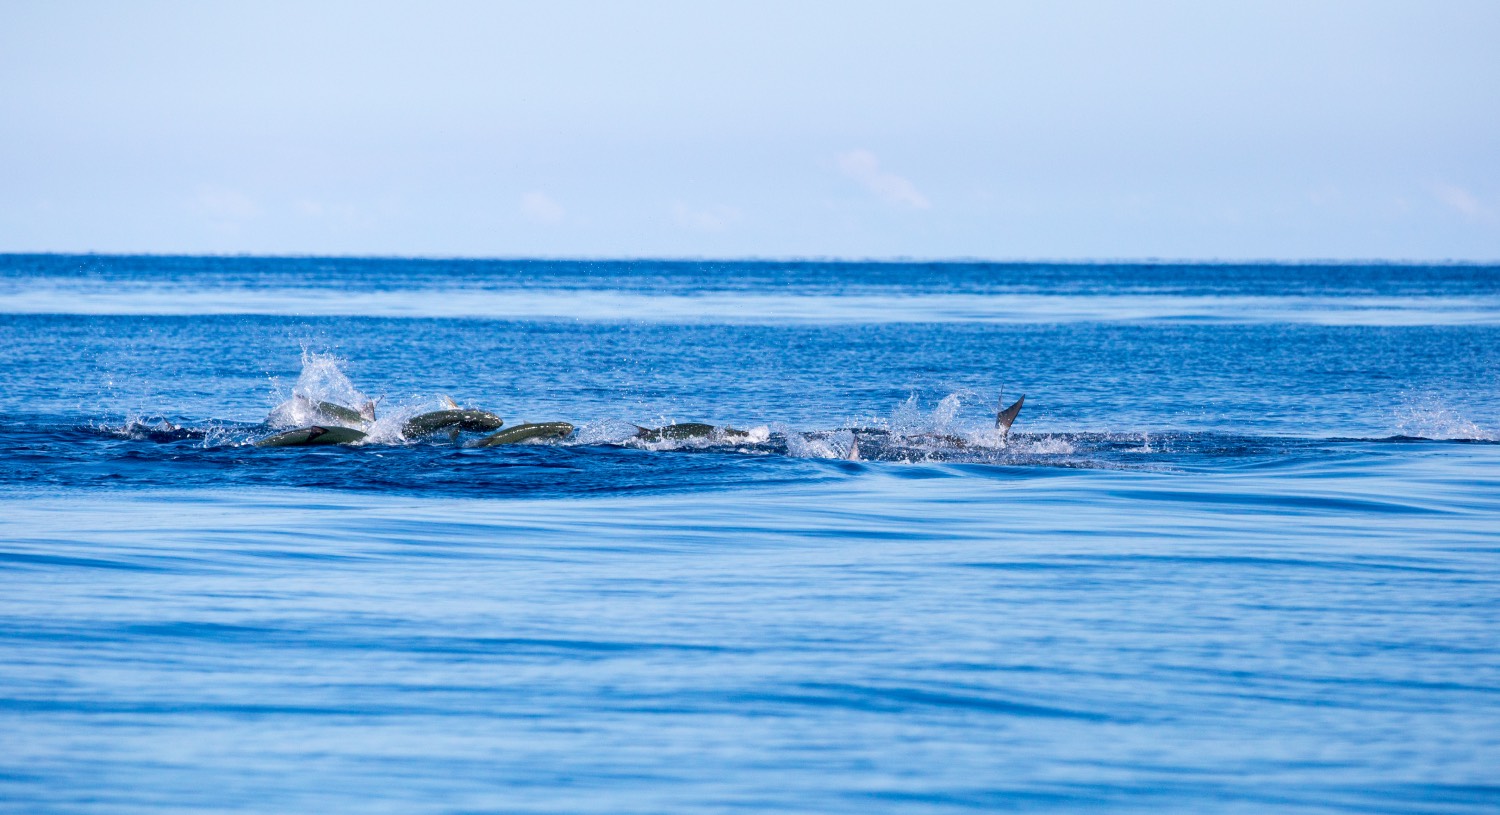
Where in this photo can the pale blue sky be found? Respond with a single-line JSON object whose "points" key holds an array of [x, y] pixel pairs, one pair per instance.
{"points": [[1061, 130]]}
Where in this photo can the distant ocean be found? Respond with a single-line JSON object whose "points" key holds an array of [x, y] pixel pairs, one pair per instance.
{"points": [[1240, 551]]}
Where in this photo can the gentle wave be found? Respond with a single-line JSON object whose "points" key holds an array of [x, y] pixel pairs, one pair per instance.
{"points": [[48, 297], [1210, 568]]}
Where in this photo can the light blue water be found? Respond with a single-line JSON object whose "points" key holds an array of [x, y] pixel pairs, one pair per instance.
{"points": [[1240, 553]]}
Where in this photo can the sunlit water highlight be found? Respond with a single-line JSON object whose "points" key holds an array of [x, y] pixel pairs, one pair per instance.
{"points": [[1237, 555], [748, 308]]}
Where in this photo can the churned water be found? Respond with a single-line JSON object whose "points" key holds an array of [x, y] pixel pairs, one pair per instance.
{"points": [[1239, 553]]}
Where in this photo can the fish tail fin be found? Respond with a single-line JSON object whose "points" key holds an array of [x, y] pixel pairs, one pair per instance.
{"points": [[1004, 418]]}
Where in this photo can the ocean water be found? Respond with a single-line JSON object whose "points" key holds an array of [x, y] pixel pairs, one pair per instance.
{"points": [[1239, 553]]}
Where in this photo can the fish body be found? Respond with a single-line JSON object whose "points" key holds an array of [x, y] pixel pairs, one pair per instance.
{"points": [[526, 432], [312, 436], [476, 421], [345, 415], [686, 430], [329, 413]]}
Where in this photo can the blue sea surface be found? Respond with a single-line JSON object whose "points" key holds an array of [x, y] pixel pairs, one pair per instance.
{"points": [[1239, 553]]}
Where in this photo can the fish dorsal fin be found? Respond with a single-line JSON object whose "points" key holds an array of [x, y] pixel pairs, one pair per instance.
{"points": [[853, 454], [1005, 418], [448, 400]]}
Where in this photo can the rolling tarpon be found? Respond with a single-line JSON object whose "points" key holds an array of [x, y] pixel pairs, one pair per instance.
{"points": [[881, 438], [474, 421], [314, 435], [456, 419], [1003, 420], [526, 432], [686, 430], [332, 412]]}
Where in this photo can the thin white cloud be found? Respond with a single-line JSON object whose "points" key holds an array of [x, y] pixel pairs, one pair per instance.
{"points": [[1323, 196], [863, 167], [1459, 200], [344, 214], [713, 219], [226, 204], [539, 207]]}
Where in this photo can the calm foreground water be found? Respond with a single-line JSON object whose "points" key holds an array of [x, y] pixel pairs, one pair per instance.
{"points": [[1241, 552]]}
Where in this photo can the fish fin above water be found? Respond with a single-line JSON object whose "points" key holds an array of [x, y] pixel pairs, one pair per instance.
{"points": [[448, 400], [1005, 418], [853, 453]]}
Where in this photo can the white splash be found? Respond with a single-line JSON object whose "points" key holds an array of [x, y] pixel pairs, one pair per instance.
{"points": [[909, 419], [835, 445], [607, 431], [1145, 445], [1046, 446], [1426, 416], [322, 380], [756, 435]]}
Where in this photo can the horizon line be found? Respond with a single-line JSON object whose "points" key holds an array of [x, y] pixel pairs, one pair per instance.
{"points": [[810, 259]]}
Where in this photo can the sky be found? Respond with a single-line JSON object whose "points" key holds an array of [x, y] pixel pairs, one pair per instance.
{"points": [[995, 130]]}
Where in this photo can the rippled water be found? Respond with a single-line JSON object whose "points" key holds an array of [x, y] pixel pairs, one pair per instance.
{"points": [[1239, 552]]}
